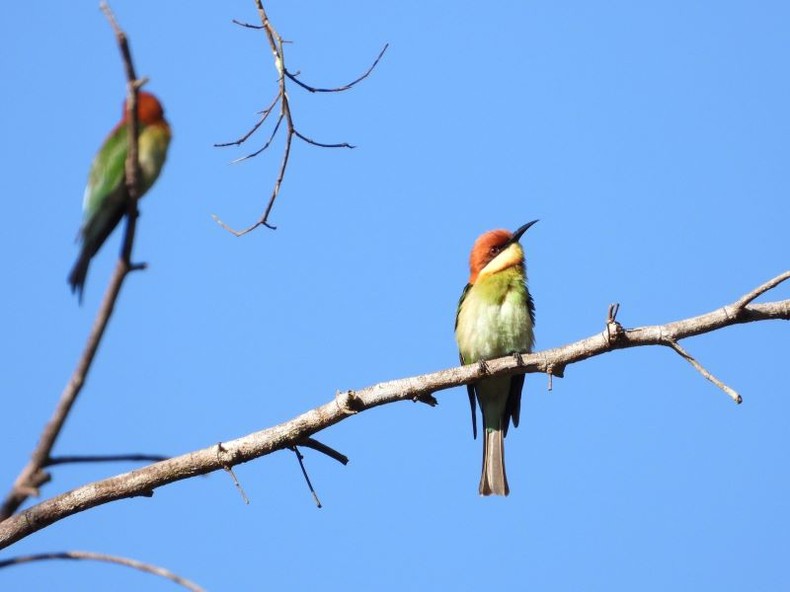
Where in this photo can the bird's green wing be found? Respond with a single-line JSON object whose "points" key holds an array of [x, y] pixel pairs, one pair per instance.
{"points": [[107, 173], [531, 307], [513, 405], [470, 388]]}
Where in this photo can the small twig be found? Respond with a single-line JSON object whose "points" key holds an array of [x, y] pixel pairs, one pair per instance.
{"points": [[264, 115], [741, 303], [690, 359], [94, 458], [321, 144], [614, 330], [247, 25], [300, 458], [265, 146], [314, 89], [229, 470], [320, 447], [88, 555]]}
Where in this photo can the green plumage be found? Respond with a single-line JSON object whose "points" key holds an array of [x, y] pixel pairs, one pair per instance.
{"points": [[106, 199]]}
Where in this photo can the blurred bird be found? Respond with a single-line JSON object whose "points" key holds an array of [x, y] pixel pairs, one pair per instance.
{"points": [[106, 200], [495, 318]]}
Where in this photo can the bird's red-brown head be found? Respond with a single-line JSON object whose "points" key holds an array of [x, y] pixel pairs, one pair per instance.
{"points": [[496, 245], [149, 109]]}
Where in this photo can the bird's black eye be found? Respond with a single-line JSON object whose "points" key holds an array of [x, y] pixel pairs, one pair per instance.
{"points": [[495, 250]]}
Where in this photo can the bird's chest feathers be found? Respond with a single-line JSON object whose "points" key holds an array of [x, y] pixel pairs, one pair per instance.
{"points": [[153, 144], [494, 319]]}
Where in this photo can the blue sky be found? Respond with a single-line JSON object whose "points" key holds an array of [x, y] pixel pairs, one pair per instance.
{"points": [[651, 139]]}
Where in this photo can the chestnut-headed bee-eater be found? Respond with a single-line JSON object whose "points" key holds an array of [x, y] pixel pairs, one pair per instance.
{"points": [[105, 201], [495, 318]]}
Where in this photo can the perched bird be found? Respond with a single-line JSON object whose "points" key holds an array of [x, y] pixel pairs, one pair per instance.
{"points": [[495, 318], [105, 201]]}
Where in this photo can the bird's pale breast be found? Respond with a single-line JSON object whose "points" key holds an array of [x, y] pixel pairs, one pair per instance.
{"points": [[494, 319]]}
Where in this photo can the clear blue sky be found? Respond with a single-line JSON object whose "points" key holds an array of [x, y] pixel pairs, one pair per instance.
{"points": [[651, 139]]}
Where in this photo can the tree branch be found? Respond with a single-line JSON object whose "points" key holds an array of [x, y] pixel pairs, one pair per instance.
{"points": [[88, 555], [144, 480], [33, 475]]}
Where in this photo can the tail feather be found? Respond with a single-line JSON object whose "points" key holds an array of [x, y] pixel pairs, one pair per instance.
{"points": [[79, 273], [493, 480], [93, 235]]}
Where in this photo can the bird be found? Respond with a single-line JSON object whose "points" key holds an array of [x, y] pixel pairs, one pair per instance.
{"points": [[105, 201], [495, 318]]}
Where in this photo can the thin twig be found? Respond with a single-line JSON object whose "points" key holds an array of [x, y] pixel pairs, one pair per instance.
{"points": [[300, 458], [32, 475], [247, 25], [351, 404], [264, 115], [265, 146], [283, 75], [88, 555], [314, 89], [97, 458], [229, 470], [321, 144], [237, 483], [320, 447], [760, 290], [690, 359]]}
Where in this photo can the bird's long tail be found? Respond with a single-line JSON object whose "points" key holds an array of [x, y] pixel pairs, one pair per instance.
{"points": [[493, 481], [79, 273]]}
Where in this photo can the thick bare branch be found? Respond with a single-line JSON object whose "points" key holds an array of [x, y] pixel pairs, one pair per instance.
{"points": [[33, 475], [144, 480], [88, 555]]}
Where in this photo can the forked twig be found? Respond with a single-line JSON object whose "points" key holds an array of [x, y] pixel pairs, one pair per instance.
{"points": [[741, 303], [283, 76]]}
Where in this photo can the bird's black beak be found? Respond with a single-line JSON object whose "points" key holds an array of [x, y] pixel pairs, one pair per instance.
{"points": [[520, 231]]}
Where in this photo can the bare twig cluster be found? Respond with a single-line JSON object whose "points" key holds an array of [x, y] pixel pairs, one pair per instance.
{"points": [[298, 431], [33, 474], [284, 75]]}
